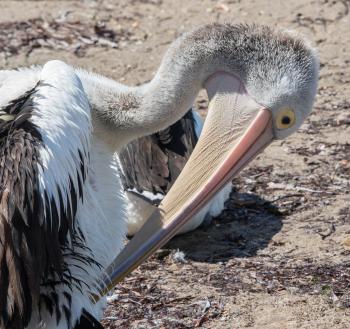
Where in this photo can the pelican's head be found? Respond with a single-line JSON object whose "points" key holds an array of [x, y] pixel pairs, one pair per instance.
{"points": [[261, 86], [260, 68], [285, 81]]}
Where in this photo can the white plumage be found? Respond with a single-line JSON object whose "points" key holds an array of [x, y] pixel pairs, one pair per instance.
{"points": [[61, 113]]}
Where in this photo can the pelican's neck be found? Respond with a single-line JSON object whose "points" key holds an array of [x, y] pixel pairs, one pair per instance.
{"points": [[109, 101], [257, 55], [121, 113]]}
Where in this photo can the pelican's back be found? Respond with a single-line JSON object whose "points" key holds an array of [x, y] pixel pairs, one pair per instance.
{"points": [[44, 153]]}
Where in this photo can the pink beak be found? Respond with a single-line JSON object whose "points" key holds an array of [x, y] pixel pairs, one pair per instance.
{"points": [[237, 128]]}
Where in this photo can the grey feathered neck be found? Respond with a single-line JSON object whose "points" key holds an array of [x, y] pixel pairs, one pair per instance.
{"points": [[274, 65]]}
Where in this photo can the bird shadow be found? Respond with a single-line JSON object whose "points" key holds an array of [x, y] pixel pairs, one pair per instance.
{"points": [[246, 226]]}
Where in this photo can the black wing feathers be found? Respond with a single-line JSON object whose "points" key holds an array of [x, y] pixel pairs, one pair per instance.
{"points": [[33, 239], [87, 321], [18, 207], [154, 162]]}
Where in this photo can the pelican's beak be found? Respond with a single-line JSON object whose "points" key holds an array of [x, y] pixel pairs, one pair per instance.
{"points": [[236, 129]]}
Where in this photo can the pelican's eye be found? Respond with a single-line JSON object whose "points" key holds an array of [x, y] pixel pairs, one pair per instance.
{"points": [[285, 118]]}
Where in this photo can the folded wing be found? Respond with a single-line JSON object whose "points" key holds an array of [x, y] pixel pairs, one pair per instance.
{"points": [[44, 154]]}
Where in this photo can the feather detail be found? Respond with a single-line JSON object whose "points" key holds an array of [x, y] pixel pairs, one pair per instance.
{"points": [[87, 321], [152, 163], [44, 155]]}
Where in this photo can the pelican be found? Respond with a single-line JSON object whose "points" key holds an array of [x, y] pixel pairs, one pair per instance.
{"points": [[149, 166], [62, 212]]}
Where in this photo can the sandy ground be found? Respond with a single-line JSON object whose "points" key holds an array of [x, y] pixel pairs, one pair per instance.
{"points": [[279, 255]]}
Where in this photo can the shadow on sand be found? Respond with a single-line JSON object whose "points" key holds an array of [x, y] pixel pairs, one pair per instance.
{"points": [[246, 226]]}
